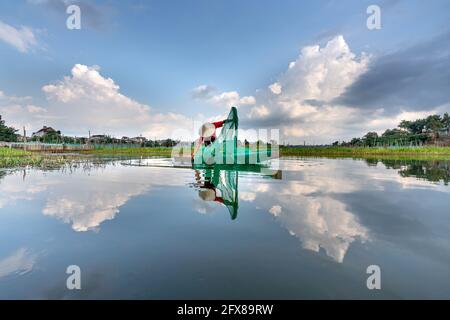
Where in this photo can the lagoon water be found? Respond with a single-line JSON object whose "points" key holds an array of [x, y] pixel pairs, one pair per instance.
{"points": [[164, 233]]}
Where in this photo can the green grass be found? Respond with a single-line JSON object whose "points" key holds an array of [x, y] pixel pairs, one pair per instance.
{"points": [[13, 158], [403, 152], [130, 152], [9, 152], [361, 152]]}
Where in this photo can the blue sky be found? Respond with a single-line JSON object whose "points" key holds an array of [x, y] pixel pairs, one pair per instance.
{"points": [[159, 52]]}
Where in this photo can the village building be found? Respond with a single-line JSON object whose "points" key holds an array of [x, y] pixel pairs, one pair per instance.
{"points": [[98, 138], [42, 132]]}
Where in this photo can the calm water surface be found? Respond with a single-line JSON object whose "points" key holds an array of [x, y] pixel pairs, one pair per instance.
{"points": [[150, 232]]}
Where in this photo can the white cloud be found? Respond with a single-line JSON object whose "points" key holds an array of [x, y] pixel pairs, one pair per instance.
{"points": [[306, 101], [223, 99], [383, 122], [259, 112], [35, 109], [300, 102], [91, 101], [23, 39], [275, 88], [88, 101], [319, 73], [18, 112]]}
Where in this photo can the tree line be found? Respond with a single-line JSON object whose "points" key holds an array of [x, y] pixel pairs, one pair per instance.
{"points": [[10, 134], [417, 132]]}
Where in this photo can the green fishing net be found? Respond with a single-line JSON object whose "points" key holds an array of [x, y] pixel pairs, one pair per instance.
{"points": [[227, 150]]}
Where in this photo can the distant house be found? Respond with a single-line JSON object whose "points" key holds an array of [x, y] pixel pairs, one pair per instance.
{"points": [[23, 139], [125, 140], [42, 132], [82, 140], [138, 140], [98, 138], [135, 140]]}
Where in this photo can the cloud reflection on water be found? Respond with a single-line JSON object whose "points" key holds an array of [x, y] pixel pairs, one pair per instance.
{"points": [[83, 199], [308, 202], [19, 262]]}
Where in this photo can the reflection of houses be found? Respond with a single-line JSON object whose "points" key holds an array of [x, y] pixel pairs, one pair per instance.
{"points": [[44, 131]]}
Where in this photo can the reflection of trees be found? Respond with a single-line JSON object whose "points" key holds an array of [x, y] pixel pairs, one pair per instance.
{"points": [[430, 170]]}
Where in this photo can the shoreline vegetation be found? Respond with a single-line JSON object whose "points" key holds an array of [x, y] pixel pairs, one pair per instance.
{"points": [[357, 152], [14, 158]]}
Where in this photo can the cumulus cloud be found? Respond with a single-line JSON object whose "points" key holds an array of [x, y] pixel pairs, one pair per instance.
{"points": [[223, 99], [329, 92], [275, 88], [22, 38], [19, 111], [259, 112], [300, 101], [35, 109], [86, 101]]}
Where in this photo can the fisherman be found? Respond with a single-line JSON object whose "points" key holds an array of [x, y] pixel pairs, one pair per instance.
{"points": [[207, 134]]}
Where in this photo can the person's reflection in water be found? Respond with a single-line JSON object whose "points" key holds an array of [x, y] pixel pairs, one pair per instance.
{"points": [[219, 186]]}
